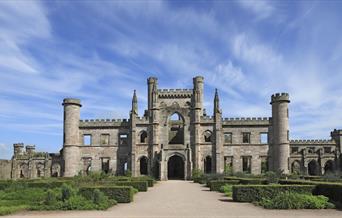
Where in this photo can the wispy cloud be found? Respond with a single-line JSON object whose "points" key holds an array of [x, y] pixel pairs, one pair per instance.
{"points": [[261, 8]]}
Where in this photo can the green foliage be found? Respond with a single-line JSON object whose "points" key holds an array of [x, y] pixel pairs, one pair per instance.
{"points": [[272, 177], [139, 185], [121, 194], [197, 173], [5, 210], [228, 170], [150, 181], [67, 192], [247, 181], [215, 185], [252, 193], [227, 190], [289, 200], [332, 191], [128, 173]]}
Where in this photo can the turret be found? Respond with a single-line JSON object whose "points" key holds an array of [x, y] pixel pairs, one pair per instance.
{"points": [[216, 104], [18, 149], [152, 85], [30, 149], [198, 92], [134, 104], [280, 126], [133, 117], [71, 137]]}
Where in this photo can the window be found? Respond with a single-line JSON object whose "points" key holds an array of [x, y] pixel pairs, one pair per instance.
{"points": [[143, 137], [105, 164], [207, 136], [228, 137], [104, 138], [263, 138], [246, 164], [288, 135], [86, 139], [264, 164], [176, 129], [123, 139], [294, 150], [228, 164], [327, 150], [246, 136]]}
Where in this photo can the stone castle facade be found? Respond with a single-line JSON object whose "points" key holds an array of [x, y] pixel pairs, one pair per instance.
{"points": [[174, 137]]}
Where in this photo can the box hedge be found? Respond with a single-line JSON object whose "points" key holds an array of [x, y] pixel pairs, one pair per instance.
{"points": [[332, 191], [33, 184], [252, 193], [215, 185], [121, 194], [142, 186]]}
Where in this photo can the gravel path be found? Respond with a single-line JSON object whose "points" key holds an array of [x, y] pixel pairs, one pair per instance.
{"points": [[183, 199]]}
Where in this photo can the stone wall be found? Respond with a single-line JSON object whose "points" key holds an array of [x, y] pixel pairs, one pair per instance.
{"points": [[5, 169]]}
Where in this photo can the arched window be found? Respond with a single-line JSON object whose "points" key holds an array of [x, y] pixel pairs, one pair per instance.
{"points": [[40, 169], [295, 167], [207, 136], [176, 129], [55, 170], [24, 170], [143, 136]]}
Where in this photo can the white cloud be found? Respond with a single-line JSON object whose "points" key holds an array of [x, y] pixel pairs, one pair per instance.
{"points": [[261, 8]]}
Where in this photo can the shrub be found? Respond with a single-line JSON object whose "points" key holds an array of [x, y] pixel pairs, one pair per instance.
{"points": [[332, 191], [215, 185], [271, 177], [227, 190], [252, 193], [121, 194], [67, 192], [150, 181], [4, 210], [247, 181], [140, 185], [289, 200], [196, 173]]}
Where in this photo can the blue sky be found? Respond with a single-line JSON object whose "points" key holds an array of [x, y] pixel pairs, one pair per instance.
{"points": [[100, 51]]}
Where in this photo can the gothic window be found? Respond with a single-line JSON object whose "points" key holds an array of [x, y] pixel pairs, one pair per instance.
{"points": [[228, 164], [263, 138], [207, 136], [86, 139], [228, 137], [143, 165], [40, 170], [143, 136], [329, 167], [207, 165], [313, 168], [295, 167], [294, 150], [104, 139], [176, 129], [123, 139], [55, 170], [246, 164], [246, 137], [327, 150], [24, 170], [86, 165]]}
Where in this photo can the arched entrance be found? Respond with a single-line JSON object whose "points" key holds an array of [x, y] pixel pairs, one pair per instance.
{"points": [[207, 165], [143, 165], [175, 167], [329, 167], [313, 168]]}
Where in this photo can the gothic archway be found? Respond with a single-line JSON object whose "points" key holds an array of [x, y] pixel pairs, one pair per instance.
{"points": [[143, 136], [313, 168], [207, 165], [175, 167], [176, 129], [329, 167], [295, 167]]}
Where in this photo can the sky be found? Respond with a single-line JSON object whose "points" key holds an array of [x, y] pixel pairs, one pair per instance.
{"points": [[100, 51]]}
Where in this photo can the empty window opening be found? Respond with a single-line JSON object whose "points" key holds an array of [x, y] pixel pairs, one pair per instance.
{"points": [[263, 138], [86, 139], [143, 137], [104, 138], [228, 137], [246, 137], [207, 136], [246, 164]]}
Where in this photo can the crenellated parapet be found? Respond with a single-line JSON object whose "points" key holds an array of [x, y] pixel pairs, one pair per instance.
{"points": [[278, 97], [312, 142], [175, 93], [259, 121], [103, 123]]}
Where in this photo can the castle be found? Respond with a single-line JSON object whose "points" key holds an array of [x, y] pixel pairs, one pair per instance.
{"points": [[174, 137]]}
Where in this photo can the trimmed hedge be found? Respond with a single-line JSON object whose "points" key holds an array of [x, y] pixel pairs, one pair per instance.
{"points": [[121, 194], [215, 185], [252, 193], [140, 185], [33, 184], [247, 181], [149, 180], [332, 191]]}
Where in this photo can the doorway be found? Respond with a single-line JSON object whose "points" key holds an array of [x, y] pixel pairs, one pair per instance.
{"points": [[175, 168]]}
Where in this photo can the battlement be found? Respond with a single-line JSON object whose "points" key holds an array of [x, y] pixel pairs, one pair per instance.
{"points": [[103, 122], [18, 145], [312, 141], [246, 121], [278, 97], [175, 93]]}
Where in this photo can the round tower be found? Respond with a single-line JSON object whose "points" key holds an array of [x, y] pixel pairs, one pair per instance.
{"points": [[71, 136], [198, 91], [280, 126]]}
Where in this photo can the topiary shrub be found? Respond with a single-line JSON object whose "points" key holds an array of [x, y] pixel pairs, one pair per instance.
{"points": [[290, 200], [227, 190], [252, 193], [142, 186]]}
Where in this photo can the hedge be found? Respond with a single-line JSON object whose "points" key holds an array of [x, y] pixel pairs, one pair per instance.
{"points": [[332, 191], [140, 185], [246, 181], [121, 194], [215, 185], [149, 180], [33, 184], [252, 193]]}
